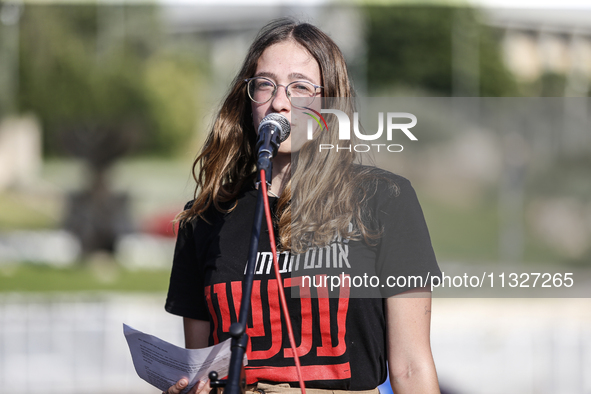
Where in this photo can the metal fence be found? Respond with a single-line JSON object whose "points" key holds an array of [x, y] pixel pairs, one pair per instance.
{"points": [[74, 343]]}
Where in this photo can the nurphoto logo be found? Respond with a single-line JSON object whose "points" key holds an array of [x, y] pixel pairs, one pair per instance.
{"points": [[392, 124]]}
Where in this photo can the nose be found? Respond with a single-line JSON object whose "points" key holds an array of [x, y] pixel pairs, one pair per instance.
{"points": [[280, 102]]}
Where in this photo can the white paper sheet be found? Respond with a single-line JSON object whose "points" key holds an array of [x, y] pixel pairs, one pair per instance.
{"points": [[162, 364]]}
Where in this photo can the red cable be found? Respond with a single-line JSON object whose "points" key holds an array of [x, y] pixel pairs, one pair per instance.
{"points": [[280, 282]]}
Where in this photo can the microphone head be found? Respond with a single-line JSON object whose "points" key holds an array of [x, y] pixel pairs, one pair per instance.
{"points": [[280, 121]]}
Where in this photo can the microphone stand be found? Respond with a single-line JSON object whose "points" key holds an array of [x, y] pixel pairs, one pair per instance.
{"points": [[235, 384]]}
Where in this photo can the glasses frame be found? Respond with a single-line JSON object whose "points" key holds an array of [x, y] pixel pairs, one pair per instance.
{"points": [[276, 85]]}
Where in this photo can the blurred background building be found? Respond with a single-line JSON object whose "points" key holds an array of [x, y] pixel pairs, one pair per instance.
{"points": [[103, 107]]}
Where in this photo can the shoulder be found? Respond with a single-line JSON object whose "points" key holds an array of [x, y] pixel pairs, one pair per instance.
{"points": [[381, 182], [215, 213], [210, 215], [386, 197], [377, 173]]}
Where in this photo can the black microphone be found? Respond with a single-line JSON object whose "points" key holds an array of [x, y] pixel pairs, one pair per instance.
{"points": [[273, 130]]}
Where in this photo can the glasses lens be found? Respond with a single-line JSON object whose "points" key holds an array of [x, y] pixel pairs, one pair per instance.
{"points": [[302, 90], [261, 90]]}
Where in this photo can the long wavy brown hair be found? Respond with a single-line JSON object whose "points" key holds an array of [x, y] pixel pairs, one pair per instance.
{"points": [[326, 192]]}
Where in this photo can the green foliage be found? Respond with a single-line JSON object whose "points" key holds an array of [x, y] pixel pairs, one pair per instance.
{"points": [[495, 79], [172, 87], [99, 65], [411, 47], [552, 84]]}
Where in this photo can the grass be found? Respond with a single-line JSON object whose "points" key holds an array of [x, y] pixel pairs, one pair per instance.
{"points": [[18, 211], [90, 277], [470, 233], [467, 233]]}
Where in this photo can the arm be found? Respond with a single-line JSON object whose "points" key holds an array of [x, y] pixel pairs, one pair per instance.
{"points": [[410, 362], [196, 333], [196, 337]]}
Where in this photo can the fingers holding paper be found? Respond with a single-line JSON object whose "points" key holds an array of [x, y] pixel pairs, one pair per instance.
{"points": [[199, 388]]}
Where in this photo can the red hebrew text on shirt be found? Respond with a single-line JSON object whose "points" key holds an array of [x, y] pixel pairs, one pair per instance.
{"points": [[267, 332]]}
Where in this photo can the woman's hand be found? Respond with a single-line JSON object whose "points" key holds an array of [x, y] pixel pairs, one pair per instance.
{"points": [[199, 388], [196, 334]]}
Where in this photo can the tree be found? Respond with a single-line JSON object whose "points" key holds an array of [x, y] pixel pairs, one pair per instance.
{"points": [[96, 66], [410, 47]]}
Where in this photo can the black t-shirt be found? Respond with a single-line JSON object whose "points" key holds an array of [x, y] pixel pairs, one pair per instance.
{"points": [[341, 340]]}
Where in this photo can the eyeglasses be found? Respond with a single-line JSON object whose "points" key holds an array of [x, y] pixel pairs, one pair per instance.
{"points": [[261, 90]]}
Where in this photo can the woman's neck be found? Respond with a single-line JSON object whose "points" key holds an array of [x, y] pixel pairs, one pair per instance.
{"points": [[281, 173]]}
